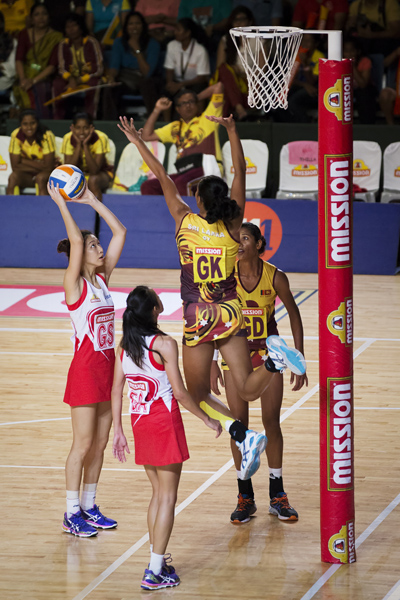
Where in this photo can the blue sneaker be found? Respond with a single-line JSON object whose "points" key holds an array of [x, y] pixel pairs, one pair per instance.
{"points": [[162, 580], [282, 356], [94, 518], [252, 446], [78, 526]]}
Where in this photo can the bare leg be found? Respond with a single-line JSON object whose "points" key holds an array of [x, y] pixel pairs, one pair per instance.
{"points": [[167, 485], [240, 410], [83, 427], [151, 473], [94, 459], [271, 402], [99, 184]]}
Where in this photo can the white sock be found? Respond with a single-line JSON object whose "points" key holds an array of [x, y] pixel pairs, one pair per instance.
{"points": [[73, 505], [275, 473], [88, 495], [156, 562], [228, 423], [239, 474]]}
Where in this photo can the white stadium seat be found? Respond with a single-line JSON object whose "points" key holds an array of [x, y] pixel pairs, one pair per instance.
{"points": [[367, 161], [391, 174], [298, 171], [257, 156]]}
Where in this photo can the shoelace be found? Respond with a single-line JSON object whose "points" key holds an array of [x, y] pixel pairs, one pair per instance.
{"points": [[243, 502], [283, 500]]}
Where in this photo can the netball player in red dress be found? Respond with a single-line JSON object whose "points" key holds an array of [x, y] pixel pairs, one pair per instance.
{"points": [[208, 243], [147, 360], [89, 383]]}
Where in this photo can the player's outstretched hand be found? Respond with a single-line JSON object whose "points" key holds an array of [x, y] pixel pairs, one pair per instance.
{"points": [[129, 129], [227, 122], [215, 378], [120, 446], [214, 424], [54, 193], [299, 381]]}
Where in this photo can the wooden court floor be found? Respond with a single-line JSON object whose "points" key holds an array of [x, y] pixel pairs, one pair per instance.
{"points": [[262, 560]]}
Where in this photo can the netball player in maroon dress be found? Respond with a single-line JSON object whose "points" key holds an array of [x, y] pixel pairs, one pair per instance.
{"points": [[90, 376]]}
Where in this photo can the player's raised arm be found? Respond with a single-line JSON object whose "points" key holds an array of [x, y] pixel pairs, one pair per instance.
{"points": [[177, 207]]}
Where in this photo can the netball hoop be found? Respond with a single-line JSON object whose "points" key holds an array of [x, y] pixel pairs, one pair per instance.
{"points": [[269, 56]]}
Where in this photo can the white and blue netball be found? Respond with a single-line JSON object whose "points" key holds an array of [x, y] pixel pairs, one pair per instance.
{"points": [[70, 180]]}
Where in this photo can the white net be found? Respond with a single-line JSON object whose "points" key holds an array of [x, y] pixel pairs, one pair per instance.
{"points": [[268, 55]]}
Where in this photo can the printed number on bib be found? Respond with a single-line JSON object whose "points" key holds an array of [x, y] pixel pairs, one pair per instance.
{"points": [[209, 264], [104, 331], [138, 393], [256, 323]]}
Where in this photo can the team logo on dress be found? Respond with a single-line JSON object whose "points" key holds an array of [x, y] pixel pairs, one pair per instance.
{"points": [[95, 298], [338, 99], [340, 322], [342, 545], [360, 169], [265, 292]]}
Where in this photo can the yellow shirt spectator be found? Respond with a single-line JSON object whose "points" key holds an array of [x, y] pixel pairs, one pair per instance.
{"points": [[98, 144], [15, 14], [20, 145]]}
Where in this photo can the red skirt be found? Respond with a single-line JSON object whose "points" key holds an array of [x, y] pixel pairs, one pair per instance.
{"points": [[160, 436], [90, 376]]}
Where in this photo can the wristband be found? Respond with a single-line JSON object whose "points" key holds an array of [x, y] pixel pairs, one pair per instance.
{"points": [[216, 354]]}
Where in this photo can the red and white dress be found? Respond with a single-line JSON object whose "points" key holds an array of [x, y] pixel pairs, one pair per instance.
{"points": [[90, 375], [156, 419]]}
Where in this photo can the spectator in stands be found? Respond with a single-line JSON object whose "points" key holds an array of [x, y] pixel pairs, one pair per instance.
{"points": [[32, 155], [33, 61], [60, 9], [87, 148], [376, 23], [80, 63], [389, 98], [320, 14], [186, 63], [264, 13], [365, 92], [100, 14], [193, 136], [211, 15], [8, 46], [230, 69], [16, 15], [134, 59], [303, 92], [161, 17]]}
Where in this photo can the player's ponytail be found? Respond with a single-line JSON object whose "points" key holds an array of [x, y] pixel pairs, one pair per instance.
{"points": [[138, 322], [64, 246], [255, 233], [213, 191]]}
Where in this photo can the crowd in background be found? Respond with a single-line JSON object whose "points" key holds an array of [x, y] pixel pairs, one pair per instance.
{"points": [[60, 58]]}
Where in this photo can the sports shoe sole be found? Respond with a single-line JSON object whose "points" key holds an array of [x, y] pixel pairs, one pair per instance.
{"points": [[145, 586], [293, 358], [252, 510], [78, 534], [273, 511], [253, 464]]}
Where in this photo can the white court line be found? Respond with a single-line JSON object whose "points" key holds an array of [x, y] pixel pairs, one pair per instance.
{"points": [[103, 469], [174, 333], [394, 593], [366, 533]]}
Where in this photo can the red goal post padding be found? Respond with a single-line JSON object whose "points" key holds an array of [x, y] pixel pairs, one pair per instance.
{"points": [[335, 266]]}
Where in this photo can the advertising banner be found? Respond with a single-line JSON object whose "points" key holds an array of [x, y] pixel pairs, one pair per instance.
{"points": [[335, 277]]}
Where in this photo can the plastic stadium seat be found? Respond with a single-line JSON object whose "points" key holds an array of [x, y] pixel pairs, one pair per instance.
{"points": [[391, 174], [298, 171], [132, 171], [257, 156], [367, 161]]}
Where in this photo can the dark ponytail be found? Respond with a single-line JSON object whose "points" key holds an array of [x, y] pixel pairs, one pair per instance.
{"points": [[65, 245], [138, 322], [255, 232], [213, 191]]}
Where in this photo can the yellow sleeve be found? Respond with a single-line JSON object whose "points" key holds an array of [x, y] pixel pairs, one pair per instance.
{"points": [[104, 145], [353, 8], [164, 134], [66, 148], [88, 7], [315, 58], [15, 145], [49, 143], [215, 106], [125, 5]]}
